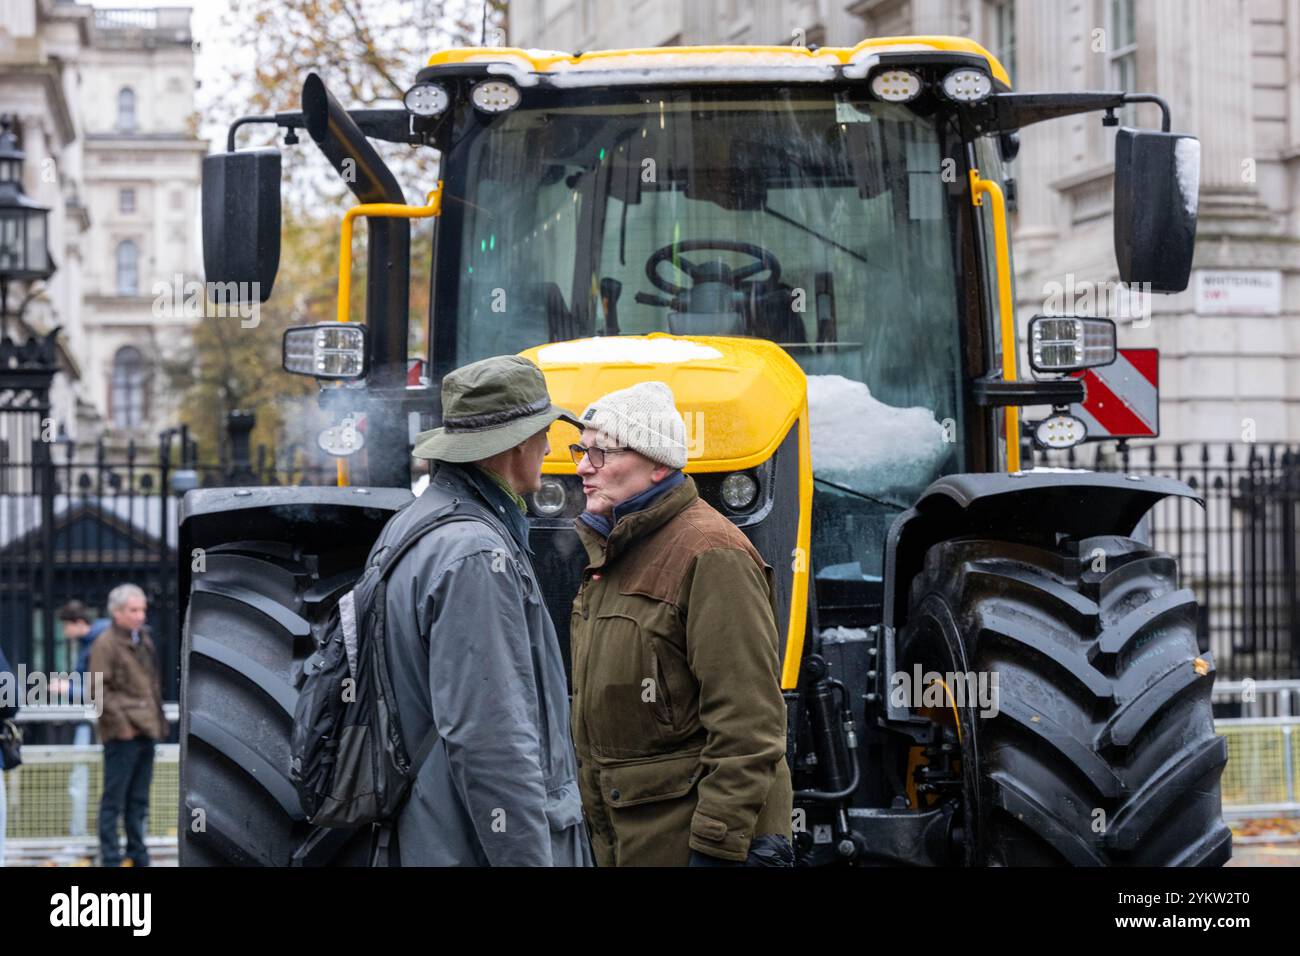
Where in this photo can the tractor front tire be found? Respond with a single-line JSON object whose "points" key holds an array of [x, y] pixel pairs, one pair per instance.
{"points": [[1101, 749], [249, 625]]}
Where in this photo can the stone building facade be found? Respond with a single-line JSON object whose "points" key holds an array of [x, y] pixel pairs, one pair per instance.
{"points": [[142, 164], [103, 100]]}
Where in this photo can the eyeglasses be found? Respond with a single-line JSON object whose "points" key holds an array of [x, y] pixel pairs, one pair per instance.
{"points": [[595, 453]]}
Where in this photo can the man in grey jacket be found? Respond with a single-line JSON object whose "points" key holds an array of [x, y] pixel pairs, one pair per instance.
{"points": [[471, 647]]}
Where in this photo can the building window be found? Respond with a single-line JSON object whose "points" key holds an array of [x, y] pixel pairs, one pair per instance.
{"points": [[129, 399], [128, 268], [126, 109], [126, 200], [177, 199], [1004, 31], [1122, 53]]}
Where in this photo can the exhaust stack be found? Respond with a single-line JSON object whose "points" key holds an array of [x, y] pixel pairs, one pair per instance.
{"points": [[388, 274], [388, 270]]}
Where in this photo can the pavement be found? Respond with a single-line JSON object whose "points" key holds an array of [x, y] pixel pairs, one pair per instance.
{"points": [[1271, 841]]}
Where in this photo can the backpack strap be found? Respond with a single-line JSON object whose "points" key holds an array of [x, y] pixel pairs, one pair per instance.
{"points": [[383, 835], [404, 544], [450, 512], [383, 844], [422, 752]]}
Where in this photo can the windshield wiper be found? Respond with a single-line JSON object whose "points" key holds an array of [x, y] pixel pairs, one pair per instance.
{"points": [[813, 232], [861, 494]]}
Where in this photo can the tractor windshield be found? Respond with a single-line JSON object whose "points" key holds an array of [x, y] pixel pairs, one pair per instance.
{"points": [[811, 216]]}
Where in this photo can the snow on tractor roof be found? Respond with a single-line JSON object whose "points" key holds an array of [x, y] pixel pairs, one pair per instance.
{"points": [[625, 350], [704, 63]]}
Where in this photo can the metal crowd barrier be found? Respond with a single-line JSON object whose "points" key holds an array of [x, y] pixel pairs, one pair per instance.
{"points": [[1262, 778], [54, 796]]}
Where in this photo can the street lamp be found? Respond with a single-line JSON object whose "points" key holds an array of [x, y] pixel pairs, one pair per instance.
{"points": [[24, 253]]}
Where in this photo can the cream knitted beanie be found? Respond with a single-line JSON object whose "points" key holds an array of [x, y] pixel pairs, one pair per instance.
{"points": [[643, 417]]}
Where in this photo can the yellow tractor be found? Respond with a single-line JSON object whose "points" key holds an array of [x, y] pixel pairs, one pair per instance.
{"points": [[982, 665]]}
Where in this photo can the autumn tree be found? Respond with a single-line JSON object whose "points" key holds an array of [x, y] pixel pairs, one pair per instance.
{"points": [[368, 54]]}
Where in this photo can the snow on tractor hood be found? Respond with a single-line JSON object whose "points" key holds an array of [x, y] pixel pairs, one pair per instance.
{"points": [[739, 396], [861, 443]]}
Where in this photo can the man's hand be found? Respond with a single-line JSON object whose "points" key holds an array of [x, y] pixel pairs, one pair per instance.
{"points": [[703, 859]]}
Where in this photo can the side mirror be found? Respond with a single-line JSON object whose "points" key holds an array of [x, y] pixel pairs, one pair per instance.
{"points": [[241, 223], [1157, 180]]}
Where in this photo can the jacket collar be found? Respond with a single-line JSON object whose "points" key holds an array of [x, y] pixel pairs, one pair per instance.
{"points": [[632, 505], [491, 496], [630, 528], [125, 635]]}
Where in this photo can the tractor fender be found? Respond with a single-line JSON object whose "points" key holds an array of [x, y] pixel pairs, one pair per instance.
{"points": [[1030, 506], [297, 514]]}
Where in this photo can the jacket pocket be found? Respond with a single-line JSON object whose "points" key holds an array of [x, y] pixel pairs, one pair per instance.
{"points": [[650, 781], [662, 698], [623, 689], [564, 807]]}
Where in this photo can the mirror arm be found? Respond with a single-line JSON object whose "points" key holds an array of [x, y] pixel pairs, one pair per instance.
{"points": [[1004, 112], [243, 121], [390, 125], [993, 391], [1152, 98]]}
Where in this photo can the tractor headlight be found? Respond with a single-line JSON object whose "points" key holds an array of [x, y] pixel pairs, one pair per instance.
{"points": [[739, 491], [426, 99], [896, 86], [325, 350], [494, 96], [1067, 344], [967, 86], [549, 500], [1060, 431]]}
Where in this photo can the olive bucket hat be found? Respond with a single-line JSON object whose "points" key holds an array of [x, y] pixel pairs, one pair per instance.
{"points": [[489, 406]]}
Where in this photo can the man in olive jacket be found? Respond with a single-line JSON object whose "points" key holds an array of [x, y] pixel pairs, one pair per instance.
{"points": [[678, 718]]}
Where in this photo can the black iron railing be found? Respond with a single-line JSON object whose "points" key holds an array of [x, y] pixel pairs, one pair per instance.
{"points": [[73, 528], [1238, 553]]}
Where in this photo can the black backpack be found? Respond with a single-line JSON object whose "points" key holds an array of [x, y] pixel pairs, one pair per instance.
{"points": [[348, 759]]}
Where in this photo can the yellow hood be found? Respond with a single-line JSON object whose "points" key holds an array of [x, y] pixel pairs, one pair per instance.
{"points": [[739, 396]]}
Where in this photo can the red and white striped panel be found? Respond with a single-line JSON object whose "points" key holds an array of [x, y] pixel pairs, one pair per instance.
{"points": [[1123, 397]]}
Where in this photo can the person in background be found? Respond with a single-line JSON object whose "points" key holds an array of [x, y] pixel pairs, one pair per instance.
{"points": [[8, 710], [80, 628], [132, 722]]}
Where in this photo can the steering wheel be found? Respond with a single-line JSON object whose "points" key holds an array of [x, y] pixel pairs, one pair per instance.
{"points": [[712, 271]]}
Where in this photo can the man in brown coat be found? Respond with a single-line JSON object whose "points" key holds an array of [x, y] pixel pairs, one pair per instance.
{"points": [[131, 722], [678, 718]]}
